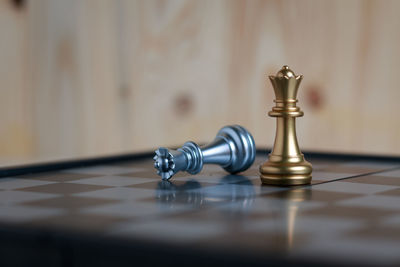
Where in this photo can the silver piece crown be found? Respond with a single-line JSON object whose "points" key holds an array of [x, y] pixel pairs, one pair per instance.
{"points": [[233, 149]]}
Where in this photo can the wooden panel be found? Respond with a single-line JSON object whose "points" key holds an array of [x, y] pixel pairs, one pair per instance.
{"points": [[93, 77], [76, 96], [16, 135]]}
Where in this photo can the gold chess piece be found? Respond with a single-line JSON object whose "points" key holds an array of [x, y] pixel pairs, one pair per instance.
{"points": [[286, 164]]}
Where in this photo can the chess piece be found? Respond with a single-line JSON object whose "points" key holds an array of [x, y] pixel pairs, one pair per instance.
{"points": [[233, 148], [286, 164]]}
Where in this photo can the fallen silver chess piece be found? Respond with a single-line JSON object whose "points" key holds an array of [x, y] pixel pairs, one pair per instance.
{"points": [[233, 149]]}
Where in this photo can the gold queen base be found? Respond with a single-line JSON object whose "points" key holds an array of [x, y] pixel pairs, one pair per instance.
{"points": [[276, 173], [286, 164]]}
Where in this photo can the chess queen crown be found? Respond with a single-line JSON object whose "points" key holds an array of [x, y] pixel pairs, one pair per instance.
{"points": [[285, 84]]}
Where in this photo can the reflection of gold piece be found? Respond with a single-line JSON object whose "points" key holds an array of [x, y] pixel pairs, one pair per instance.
{"points": [[294, 195], [292, 212], [286, 164]]}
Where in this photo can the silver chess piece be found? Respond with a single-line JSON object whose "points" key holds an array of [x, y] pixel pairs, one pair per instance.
{"points": [[233, 149]]}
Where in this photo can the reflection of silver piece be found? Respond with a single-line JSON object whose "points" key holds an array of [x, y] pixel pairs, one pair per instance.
{"points": [[233, 148], [230, 189]]}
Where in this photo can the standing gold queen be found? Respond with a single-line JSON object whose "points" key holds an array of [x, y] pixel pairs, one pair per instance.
{"points": [[286, 164]]}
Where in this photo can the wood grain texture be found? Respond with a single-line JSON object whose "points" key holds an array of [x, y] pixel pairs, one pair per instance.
{"points": [[96, 77], [16, 133]]}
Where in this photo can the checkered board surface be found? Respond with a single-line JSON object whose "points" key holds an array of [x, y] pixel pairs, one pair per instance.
{"points": [[350, 212]]}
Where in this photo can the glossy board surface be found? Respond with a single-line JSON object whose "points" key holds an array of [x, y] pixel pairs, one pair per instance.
{"points": [[349, 214]]}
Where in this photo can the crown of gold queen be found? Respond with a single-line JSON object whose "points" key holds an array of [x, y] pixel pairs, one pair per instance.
{"points": [[285, 84]]}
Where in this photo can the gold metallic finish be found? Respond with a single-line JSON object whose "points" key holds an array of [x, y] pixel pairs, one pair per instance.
{"points": [[286, 164]]}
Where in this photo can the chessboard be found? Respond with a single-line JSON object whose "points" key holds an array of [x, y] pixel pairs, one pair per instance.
{"points": [[118, 211]]}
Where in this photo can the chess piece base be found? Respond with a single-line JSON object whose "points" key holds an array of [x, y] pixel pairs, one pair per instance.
{"points": [[286, 174]]}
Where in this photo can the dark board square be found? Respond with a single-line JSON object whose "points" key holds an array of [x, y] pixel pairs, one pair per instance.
{"points": [[350, 169], [349, 212], [374, 179], [147, 174], [393, 192], [63, 188], [173, 185], [57, 176], [376, 232], [276, 242], [221, 172], [69, 202], [143, 164], [80, 222]]}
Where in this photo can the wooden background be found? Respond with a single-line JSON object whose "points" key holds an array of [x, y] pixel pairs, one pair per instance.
{"points": [[97, 77]]}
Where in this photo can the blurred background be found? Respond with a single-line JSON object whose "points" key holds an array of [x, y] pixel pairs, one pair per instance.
{"points": [[95, 77]]}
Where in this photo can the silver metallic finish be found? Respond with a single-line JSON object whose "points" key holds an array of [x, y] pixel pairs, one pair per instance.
{"points": [[233, 148]]}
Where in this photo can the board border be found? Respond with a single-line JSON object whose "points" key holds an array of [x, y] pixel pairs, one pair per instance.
{"points": [[85, 162]]}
